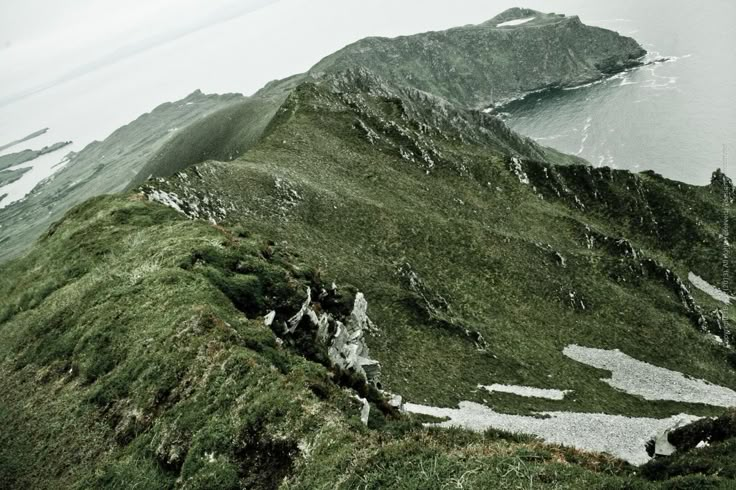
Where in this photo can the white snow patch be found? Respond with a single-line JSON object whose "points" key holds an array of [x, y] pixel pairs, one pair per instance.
{"points": [[651, 382], [623, 437], [709, 289], [526, 391], [515, 22]]}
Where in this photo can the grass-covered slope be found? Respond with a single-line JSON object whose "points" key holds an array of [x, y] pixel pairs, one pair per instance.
{"points": [[453, 239], [223, 135], [102, 166], [149, 347], [471, 66], [134, 355]]}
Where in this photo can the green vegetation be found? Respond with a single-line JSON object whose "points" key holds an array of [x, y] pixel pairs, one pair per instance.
{"points": [[11, 159], [128, 363], [134, 346], [471, 66], [481, 65], [28, 137], [10, 176], [477, 238]]}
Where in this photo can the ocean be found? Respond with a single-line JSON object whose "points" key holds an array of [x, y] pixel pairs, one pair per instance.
{"points": [[674, 118]]}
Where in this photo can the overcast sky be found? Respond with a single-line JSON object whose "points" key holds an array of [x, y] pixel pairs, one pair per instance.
{"points": [[46, 42]]}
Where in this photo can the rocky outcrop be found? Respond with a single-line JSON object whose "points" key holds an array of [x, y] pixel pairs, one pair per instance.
{"points": [[635, 263], [342, 337], [436, 307]]}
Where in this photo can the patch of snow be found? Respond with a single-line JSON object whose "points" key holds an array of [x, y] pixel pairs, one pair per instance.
{"points": [[709, 289], [651, 382], [620, 436], [515, 22], [526, 391]]}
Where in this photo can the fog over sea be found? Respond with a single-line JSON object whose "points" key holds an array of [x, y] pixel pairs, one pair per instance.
{"points": [[672, 117]]}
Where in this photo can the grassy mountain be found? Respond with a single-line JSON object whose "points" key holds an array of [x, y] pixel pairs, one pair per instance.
{"points": [[472, 65], [450, 205], [209, 328]]}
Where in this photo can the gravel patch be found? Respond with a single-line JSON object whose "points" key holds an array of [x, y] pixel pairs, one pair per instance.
{"points": [[526, 391], [651, 382], [620, 436], [709, 289]]}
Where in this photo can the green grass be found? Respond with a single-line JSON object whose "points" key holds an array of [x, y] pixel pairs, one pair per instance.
{"points": [[482, 241], [133, 351], [125, 364]]}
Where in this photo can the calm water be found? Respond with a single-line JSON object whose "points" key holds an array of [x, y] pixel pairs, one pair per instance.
{"points": [[672, 117]]}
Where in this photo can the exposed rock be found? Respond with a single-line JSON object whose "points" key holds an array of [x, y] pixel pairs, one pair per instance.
{"points": [[365, 409], [722, 183], [344, 339], [436, 307], [638, 265], [268, 319], [518, 170], [570, 52], [396, 401], [348, 349]]}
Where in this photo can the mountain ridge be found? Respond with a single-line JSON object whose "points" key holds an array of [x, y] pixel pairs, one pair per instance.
{"points": [[222, 324]]}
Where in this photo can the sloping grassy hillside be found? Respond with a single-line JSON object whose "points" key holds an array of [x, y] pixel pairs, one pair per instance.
{"points": [[128, 362], [148, 347], [356, 183]]}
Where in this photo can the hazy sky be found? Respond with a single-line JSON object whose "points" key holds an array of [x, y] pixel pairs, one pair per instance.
{"points": [[45, 42], [48, 41]]}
